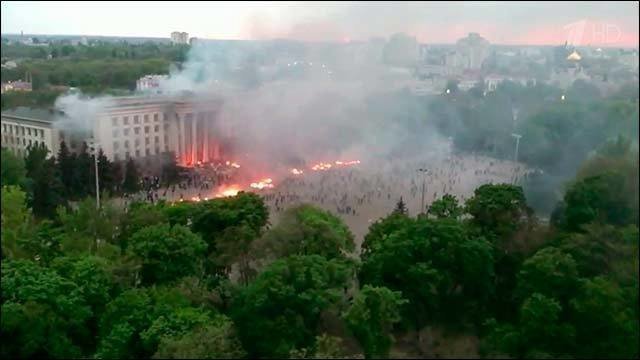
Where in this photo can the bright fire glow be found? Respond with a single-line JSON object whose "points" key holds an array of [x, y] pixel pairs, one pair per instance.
{"points": [[347, 163], [321, 166], [235, 165], [226, 191], [326, 166], [296, 172], [264, 183]]}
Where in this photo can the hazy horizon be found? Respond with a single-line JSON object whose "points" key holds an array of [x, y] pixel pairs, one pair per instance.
{"points": [[604, 24]]}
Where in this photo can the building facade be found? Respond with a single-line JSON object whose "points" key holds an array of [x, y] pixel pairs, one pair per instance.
{"points": [[178, 37], [150, 83], [24, 127], [141, 128], [472, 51]]}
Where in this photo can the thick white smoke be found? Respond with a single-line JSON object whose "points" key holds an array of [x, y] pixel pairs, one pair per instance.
{"points": [[79, 112], [321, 102]]}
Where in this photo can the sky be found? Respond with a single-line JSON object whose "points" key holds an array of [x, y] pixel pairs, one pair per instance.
{"points": [[514, 23]]}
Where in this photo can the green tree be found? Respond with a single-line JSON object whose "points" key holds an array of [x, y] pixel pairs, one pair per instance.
{"points": [[549, 272], [41, 312], [445, 207], [235, 247], [121, 323], [280, 310], [84, 168], [453, 266], [131, 182], [106, 173], [66, 166], [498, 209], [88, 228], [92, 276], [215, 340], [401, 207], [177, 322], [16, 222], [139, 215], [605, 323], [381, 229], [598, 198], [307, 230], [170, 168], [371, 317], [167, 253], [47, 190], [13, 170], [540, 332], [603, 250]]}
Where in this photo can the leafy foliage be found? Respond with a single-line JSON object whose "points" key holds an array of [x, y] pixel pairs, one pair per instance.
{"points": [[280, 310], [371, 317], [167, 253], [306, 230]]}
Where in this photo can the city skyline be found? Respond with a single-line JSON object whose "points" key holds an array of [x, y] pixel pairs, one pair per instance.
{"points": [[603, 24]]}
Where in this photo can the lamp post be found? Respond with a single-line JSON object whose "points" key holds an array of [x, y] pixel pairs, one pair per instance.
{"points": [[94, 150], [517, 136], [423, 185]]}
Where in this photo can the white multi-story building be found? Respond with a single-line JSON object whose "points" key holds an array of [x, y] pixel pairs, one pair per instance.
{"points": [[24, 127], [472, 51], [178, 37], [141, 128], [150, 82], [492, 82]]}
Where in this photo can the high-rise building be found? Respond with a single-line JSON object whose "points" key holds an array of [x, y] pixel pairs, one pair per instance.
{"points": [[179, 37], [472, 51]]}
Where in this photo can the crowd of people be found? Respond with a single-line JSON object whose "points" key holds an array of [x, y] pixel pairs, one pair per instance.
{"points": [[361, 193]]}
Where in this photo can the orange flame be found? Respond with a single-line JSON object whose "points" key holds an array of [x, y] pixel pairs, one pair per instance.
{"points": [[321, 166], [226, 191], [296, 172], [264, 183]]}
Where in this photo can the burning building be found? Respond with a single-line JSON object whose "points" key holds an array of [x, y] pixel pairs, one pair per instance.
{"points": [[142, 127], [145, 127]]}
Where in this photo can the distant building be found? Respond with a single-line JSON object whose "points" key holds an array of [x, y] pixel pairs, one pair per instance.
{"points": [[10, 65], [492, 82], [15, 86], [472, 51], [179, 37], [574, 56], [150, 82], [139, 127], [23, 127]]}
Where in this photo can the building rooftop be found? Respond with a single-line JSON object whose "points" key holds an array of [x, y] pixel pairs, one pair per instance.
{"points": [[35, 114], [574, 56]]}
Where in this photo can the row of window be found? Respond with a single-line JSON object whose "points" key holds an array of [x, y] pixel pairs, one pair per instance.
{"points": [[136, 119], [136, 130], [147, 141], [147, 152], [15, 141], [22, 130]]}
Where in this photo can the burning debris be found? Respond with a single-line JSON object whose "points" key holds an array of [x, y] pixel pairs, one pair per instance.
{"points": [[226, 191], [321, 167], [326, 166], [264, 183], [297, 172]]}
